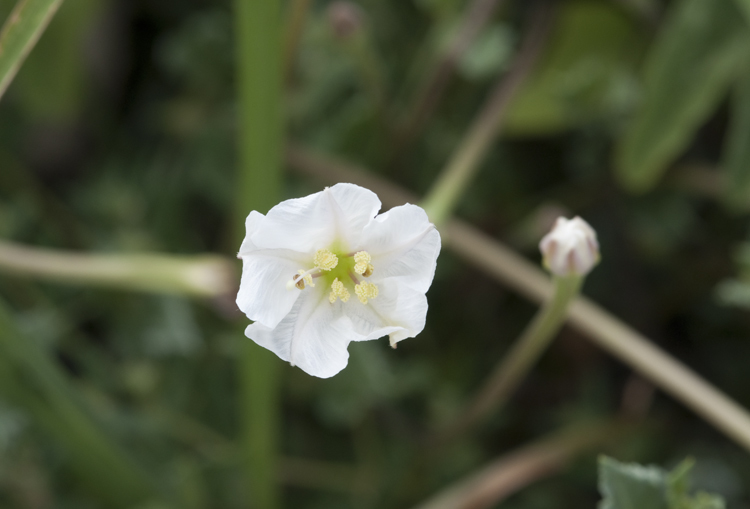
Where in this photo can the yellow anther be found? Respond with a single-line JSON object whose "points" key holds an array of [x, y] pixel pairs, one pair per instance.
{"points": [[362, 261], [365, 291], [325, 260], [368, 272], [338, 291], [304, 277]]}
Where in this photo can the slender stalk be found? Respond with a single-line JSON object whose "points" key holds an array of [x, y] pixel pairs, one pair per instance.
{"points": [[30, 379], [512, 472], [259, 78], [19, 34], [429, 93], [204, 275], [511, 370], [605, 330], [447, 190]]}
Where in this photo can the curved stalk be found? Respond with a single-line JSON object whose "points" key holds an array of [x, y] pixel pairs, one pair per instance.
{"points": [[453, 180], [512, 368], [512, 472]]}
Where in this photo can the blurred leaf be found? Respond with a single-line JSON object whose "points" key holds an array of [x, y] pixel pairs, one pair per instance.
{"points": [[176, 332], [587, 72], [630, 486], [489, 54], [32, 380], [744, 6], [678, 481], [732, 292], [678, 485], [20, 33], [12, 423], [736, 156], [687, 72], [52, 83]]}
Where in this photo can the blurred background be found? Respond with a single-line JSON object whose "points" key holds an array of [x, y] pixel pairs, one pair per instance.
{"points": [[120, 135]]}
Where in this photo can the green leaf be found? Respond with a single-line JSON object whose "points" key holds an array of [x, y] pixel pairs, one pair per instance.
{"points": [[678, 482], [587, 71], [52, 83], [22, 29], [687, 72], [736, 156], [33, 381], [631, 486], [678, 485]]}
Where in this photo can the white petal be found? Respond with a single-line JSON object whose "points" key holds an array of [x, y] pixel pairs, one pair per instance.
{"points": [[313, 336], [316, 221], [403, 243], [263, 294], [398, 310], [252, 222], [358, 205]]}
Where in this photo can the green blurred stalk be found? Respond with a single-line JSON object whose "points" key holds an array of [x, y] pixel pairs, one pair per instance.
{"points": [[20, 33], [201, 276], [450, 186], [259, 79], [523, 355], [32, 381]]}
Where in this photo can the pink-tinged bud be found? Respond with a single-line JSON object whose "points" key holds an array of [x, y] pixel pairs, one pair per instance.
{"points": [[570, 248]]}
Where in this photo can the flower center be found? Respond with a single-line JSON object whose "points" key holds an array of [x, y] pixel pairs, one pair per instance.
{"points": [[339, 270]]}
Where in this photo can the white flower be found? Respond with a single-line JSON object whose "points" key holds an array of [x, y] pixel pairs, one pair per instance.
{"points": [[322, 271], [570, 248]]}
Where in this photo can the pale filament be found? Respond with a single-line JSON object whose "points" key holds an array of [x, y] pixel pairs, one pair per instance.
{"points": [[302, 276]]}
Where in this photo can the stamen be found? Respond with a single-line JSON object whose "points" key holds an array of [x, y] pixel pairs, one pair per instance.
{"points": [[365, 291], [362, 260], [325, 260], [338, 291], [368, 272], [302, 277]]}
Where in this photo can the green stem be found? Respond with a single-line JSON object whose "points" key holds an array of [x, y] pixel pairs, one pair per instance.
{"points": [[259, 76], [20, 33], [444, 195], [435, 80], [202, 275], [512, 369], [32, 381]]}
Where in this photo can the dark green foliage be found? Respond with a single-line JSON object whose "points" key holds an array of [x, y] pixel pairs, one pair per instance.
{"points": [[119, 135]]}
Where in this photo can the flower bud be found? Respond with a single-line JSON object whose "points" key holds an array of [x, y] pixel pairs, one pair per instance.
{"points": [[570, 248]]}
